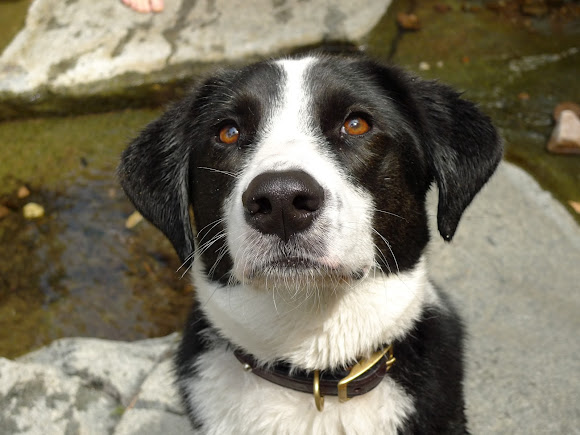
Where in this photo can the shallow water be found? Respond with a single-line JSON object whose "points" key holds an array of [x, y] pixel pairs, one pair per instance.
{"points": [[79, 272]]}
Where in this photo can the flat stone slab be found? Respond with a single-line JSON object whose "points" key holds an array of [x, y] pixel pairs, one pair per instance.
{"points": [[93, 386], [85, 47], [512, 269]]}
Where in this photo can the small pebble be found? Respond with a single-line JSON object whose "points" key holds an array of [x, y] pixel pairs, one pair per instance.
{"points": [[33, 210], [523, 96], [23, 192], [408, 21], [424, 66], [565, 138], [4, 211]]}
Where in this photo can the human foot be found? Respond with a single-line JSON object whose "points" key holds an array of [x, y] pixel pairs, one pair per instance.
{"points": [[144, 6]]}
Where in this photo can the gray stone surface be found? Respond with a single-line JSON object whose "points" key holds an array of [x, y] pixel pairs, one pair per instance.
{"points": [[154, 422], [118, 368], [82, 46], [512, 270], [40, 399], [91, 386]]}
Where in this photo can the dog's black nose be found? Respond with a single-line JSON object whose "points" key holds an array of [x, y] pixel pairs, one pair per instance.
{"points": [[282, 203]]}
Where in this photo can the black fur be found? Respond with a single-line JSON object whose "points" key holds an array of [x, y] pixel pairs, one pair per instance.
{"points": [[423, 132]]}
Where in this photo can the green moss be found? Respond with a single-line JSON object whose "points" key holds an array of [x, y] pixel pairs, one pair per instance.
{"points": [[12, 16], [42, 151], [118, 411]]}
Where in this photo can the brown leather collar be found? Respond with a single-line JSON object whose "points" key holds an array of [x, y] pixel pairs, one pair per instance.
{"points": [[360, 379]]}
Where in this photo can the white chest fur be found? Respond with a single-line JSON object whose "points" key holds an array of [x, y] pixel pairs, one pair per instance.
{"points": [[318, 334]]}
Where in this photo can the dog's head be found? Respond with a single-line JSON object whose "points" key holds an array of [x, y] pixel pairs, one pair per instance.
{"points": [[310, 168]]}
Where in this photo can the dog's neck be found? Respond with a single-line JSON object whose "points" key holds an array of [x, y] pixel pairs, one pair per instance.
{"points": [[320, 333]]}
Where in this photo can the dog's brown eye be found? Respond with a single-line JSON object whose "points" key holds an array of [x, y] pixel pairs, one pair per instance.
{"points": [[229, 134], [355, 126]]}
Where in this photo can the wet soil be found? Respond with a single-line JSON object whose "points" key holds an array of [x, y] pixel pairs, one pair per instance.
{"points": [[78, 271]]}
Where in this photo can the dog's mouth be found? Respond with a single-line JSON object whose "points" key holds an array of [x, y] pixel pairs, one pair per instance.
{"points": [[303, 267], [294, 263]]}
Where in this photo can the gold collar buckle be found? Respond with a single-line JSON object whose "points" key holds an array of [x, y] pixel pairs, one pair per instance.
{"points": [[357, 370]]}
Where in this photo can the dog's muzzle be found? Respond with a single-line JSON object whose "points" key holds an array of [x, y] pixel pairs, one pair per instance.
{"points": [[282, 203]]}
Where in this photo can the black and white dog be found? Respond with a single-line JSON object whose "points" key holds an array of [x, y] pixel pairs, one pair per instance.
{"points": [[307, 178]]}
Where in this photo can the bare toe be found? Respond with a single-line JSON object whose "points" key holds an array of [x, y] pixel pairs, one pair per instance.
{"points": [[142, 6], [156, 5]]}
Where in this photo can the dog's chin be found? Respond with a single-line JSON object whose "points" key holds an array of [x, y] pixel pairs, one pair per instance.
{"points": [[302, 271]]}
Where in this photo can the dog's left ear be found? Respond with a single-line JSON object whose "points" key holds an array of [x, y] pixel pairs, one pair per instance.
{"points": [[463, 150], [154, 174]]}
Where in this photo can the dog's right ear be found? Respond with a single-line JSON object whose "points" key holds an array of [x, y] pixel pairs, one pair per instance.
{"points": [[154, 173]]}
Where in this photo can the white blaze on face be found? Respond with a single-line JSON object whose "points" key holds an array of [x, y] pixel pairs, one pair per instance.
{"points": [[290, 139]]}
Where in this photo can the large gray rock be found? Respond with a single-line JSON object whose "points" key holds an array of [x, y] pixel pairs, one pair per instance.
{"points": [[88, 385], [40, 399], [79, 46]]}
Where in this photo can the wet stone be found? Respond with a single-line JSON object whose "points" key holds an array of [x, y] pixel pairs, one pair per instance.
{"points": [[35, 397], [86, 386], [566, 135]]}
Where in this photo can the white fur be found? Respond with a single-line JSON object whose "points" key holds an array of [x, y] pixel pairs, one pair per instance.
{"points": [[349, 322]]}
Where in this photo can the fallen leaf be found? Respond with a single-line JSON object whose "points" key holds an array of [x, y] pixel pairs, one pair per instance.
{"points": [[441, 7], [133, 220], [575, 205], [4, 211]]}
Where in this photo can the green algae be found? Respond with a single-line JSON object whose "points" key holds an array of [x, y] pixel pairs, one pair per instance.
{"points": [[12, 16]]}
